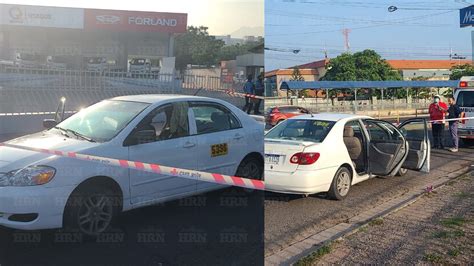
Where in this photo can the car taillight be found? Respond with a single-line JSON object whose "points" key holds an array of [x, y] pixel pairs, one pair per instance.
{"points": [[463, 84], [304, 158]]}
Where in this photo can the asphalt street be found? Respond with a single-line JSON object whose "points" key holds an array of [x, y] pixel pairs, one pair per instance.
{"points": [[219, 228], [290, 218]]}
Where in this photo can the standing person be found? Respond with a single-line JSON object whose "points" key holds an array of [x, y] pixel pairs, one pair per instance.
{"points": [[249, 88], [437, 110], [454, 112], [259, 89]]}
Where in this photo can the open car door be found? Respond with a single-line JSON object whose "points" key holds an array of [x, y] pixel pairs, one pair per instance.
{"points": [[387, 148], [415, 132]]}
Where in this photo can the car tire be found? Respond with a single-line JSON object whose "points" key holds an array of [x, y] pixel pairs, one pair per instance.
{"points": [[251, 167], [402, 172], [341, 184], [91, 209], [468, 142]]}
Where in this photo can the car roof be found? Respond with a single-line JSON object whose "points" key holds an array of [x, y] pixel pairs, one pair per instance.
{"points": [[156, 98], [329, 116]]}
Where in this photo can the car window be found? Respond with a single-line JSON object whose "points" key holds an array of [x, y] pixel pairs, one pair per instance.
{"points": [[356, 128], [465, 99], [288, 109], [382, 131], [213, 117], [303, 130], [104, 120], [169, 121]]}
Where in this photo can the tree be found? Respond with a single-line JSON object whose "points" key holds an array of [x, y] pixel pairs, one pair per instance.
{"points": [[461, 70], [365, 65], [360, 66], [230, 52], [296, 76], [196, 47]]}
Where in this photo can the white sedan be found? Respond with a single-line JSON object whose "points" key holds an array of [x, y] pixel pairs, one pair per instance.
{"points": [[41, 191], [331, 152]]}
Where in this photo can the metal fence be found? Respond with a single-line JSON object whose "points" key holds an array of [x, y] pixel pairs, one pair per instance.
{"points": [[34, 90], [376, 106]]}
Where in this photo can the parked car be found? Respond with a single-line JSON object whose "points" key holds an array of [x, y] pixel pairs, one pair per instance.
{"points": [[330, 152], [464, 95], [278, 114], [41, 191]]}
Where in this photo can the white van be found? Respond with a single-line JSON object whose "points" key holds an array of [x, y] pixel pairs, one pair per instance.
{"points": [[464, 96]]}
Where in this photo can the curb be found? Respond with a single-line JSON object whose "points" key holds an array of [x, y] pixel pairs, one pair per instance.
{"points": [[301, 249]]}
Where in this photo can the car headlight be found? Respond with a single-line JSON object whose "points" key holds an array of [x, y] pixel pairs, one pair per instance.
{"points": [[28, 176]]}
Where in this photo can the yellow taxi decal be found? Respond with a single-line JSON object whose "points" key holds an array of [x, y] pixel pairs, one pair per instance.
{"points": [[219, 149]]}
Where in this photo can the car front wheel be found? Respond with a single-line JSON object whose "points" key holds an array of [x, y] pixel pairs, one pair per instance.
{"points": [[340, 185], [91, 210]]}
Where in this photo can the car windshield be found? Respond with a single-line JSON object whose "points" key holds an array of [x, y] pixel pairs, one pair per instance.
{"points": [[465, 99], [104, 120], [302, 130]]}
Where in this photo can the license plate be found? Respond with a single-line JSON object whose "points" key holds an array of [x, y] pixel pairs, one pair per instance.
{"points": [[272, 159]]}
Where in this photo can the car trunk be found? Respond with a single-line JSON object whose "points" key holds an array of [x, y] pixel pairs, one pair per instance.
{"points": [[279, 152]]}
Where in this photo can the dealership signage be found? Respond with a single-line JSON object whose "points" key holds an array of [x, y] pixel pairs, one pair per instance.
{"points": [[41, 16], [466, 16], [96, 19]]}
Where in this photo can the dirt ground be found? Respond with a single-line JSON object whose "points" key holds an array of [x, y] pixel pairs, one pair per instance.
{"points": [[437, 229]]}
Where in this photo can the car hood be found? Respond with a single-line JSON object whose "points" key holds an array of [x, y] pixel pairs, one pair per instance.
{"points": [[13, 158]]}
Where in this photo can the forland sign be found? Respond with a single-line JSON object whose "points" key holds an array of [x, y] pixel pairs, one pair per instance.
{"points": [[466, 16], [135, 21]]}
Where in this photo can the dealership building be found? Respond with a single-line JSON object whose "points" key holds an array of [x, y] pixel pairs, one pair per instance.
{"points": [[77, 33]]}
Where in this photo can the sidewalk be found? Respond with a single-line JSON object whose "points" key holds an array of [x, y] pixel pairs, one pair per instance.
{"points": [[437, 228]]}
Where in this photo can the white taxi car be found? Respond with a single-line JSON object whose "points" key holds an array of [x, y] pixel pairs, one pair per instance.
{"points": [[331, 152], [40, 191]]}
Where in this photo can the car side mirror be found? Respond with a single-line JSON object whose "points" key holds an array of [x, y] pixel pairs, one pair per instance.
{"points": [[49, 123], [140, 137]]}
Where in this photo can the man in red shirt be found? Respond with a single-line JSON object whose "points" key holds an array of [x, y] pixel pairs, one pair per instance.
{"points": [[437, 111]]}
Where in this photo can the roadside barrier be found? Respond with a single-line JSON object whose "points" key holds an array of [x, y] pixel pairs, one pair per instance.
{"points": [[154, 168]]}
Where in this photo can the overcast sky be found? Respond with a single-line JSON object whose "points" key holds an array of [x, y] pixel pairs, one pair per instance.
{"points": [[221, 16], [419, 29]]}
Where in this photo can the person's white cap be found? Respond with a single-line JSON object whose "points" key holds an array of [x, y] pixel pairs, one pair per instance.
{"points": [[437, 96]]}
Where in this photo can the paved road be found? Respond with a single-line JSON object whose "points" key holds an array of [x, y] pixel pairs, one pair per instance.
{"points": [[289, 219], [214, 228]]}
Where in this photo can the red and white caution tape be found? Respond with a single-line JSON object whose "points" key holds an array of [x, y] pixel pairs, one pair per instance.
{"points": [[244, 95], [154, 168]]}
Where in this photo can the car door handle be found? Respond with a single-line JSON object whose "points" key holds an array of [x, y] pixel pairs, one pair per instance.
{"points": [[238, 136], [189, 145]]}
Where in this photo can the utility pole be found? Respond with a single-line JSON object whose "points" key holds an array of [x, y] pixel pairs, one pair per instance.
{"points": [[346, 32]]}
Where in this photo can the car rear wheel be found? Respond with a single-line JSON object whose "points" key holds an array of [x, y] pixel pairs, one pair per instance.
{"points": [[251, 167], [91, 210], [341, 184]]}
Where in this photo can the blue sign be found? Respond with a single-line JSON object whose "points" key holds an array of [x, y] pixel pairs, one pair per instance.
{"points": [[466, 16]]}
